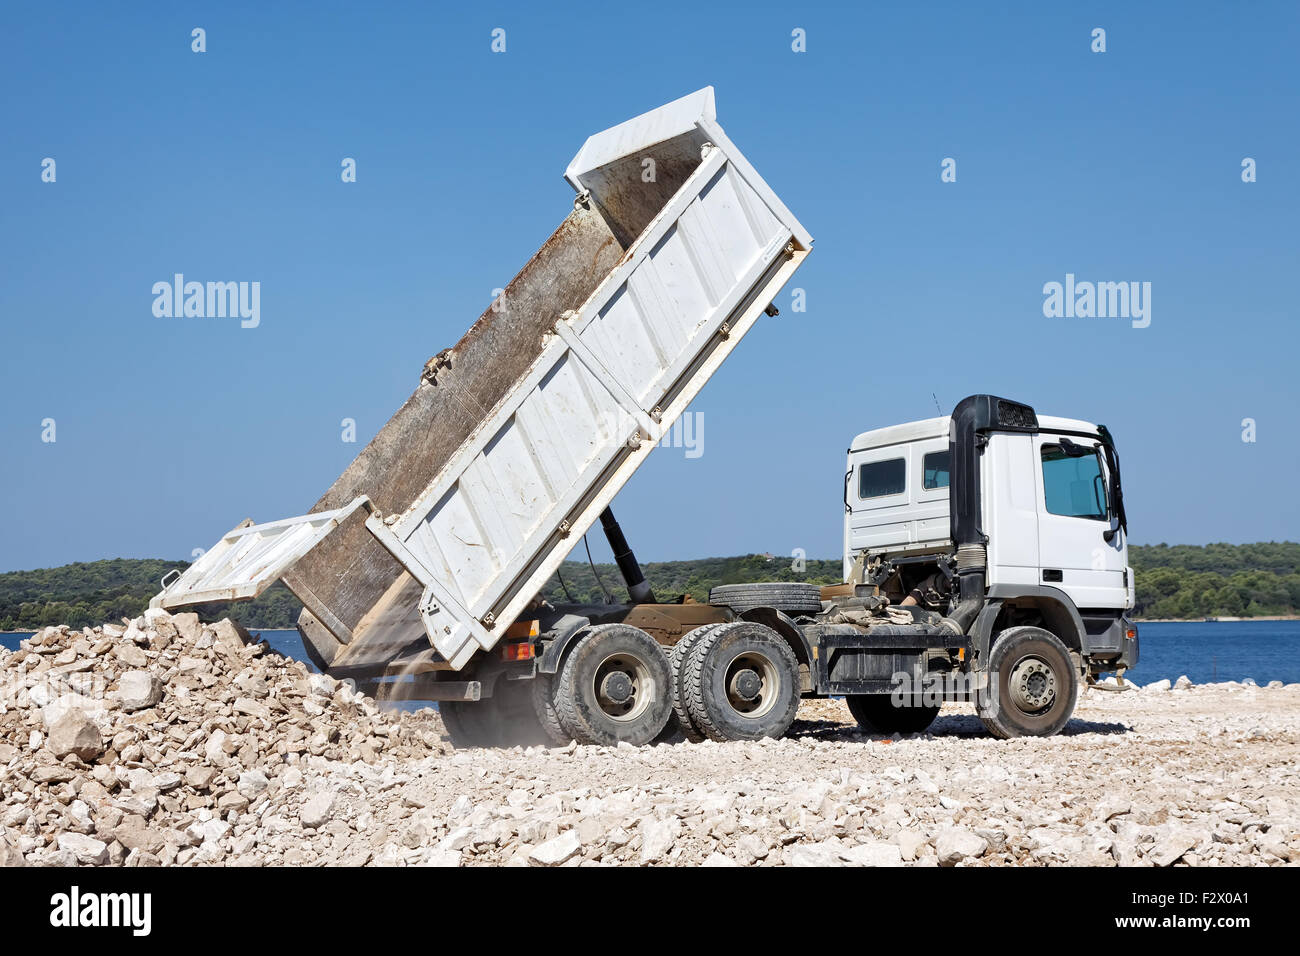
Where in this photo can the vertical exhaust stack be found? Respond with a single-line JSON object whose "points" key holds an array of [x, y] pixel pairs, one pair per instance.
{"points": [[964, 507], [972, 419], [638, 589]]}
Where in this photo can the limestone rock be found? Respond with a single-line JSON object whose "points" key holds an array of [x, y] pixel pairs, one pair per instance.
{"points": [[554, 852], [873, 854], [316, 811], [138, 690], [1171, 844], [86, 849], [130, 654], [956, 844], [657, 838], [75, 733]]}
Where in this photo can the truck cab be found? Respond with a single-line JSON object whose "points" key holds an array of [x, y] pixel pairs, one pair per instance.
{"points": [[1021, 515], [1047, 510]]}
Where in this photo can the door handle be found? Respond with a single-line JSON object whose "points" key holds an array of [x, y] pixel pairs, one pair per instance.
{"points": [[1052, 574]]}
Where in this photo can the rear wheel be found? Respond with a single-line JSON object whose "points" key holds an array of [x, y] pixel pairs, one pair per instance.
{"points": [[615, 686], [741, 682], [1032, 685], [548, 714], [878, 713], [678, 656], [506, 719]]}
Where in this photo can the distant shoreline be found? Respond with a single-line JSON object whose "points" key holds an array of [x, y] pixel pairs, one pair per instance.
{"points": [[1215, 620]]}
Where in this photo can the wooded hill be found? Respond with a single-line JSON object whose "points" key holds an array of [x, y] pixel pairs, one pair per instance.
{"points": [[1179, 581]]}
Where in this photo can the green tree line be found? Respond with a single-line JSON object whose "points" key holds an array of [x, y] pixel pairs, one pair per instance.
{"points": [[1183, 581], [92, 592], [1217, 580]]}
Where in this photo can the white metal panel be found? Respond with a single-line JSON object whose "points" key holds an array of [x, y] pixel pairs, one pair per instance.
{"points": [[1010, 513], [250, 558], [908, 431], [632, 136], [914, 520]]}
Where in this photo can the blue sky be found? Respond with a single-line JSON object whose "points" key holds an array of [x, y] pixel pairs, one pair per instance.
{"points": [[1115, 166]]}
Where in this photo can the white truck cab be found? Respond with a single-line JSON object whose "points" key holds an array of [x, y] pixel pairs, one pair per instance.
{"points": [[1021, 513], [1045, 510]]}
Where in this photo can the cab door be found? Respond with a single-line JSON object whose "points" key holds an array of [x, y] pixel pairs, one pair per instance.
{"points": [[1009, 501], [1081, 547]]}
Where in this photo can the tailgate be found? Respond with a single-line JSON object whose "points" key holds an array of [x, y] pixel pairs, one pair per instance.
{"points": [[249, 559]]}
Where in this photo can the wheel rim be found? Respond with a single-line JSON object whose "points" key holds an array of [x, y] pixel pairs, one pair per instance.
{"points": [[624, 687], [753, 684], [1033, 685]]}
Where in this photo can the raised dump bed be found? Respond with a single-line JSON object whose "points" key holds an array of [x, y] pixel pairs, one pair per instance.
{"points": [[449, 523]]}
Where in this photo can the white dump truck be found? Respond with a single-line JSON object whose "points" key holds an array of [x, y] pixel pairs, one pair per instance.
{"points": [[420, 570]]}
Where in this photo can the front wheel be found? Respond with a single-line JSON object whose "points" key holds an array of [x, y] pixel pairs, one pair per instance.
{"points": [[880, 714], [1032, 685]]}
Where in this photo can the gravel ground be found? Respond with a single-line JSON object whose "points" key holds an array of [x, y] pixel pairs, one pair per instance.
{"points": [[167, 741]]}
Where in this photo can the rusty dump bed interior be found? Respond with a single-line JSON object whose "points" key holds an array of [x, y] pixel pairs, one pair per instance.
{"points": [[361, 608]]}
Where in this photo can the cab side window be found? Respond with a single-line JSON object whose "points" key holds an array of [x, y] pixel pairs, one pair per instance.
{"points": [[1073, 486], [876, 479], [935, 466]]}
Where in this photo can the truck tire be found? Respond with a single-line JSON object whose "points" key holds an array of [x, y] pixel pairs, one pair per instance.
{"points": [[878, 714], [548, 714], [672, 732], [789, 596], [741, 682], [506, 719], [467, 723], [1032, 687], [615, 686], [677, 656]]}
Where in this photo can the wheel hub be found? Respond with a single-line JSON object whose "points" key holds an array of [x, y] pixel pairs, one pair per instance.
{"points": [[752, 684], [624, 687], [1033, 685], [616, 687], [746, 685]]}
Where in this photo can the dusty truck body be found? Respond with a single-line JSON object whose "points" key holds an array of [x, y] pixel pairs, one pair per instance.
{"points": [[421, 569], [448, 524]]}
